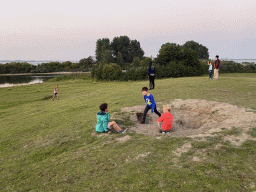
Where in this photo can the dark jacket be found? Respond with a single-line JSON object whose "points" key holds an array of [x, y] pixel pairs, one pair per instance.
{"points": [[217, 64], [151, 70]]}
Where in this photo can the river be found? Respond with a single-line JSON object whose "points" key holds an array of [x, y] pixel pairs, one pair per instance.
{"points": [[10, 80]]}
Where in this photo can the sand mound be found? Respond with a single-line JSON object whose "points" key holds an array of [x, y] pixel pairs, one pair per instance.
{"points": [[194, 118]]}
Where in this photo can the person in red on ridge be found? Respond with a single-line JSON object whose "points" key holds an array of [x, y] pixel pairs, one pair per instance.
{"points": [[216, 67], [165, 121], [56, 93]]}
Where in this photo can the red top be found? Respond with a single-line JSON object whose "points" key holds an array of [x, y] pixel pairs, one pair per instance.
{"points": [[166, 118], [217, 64], [56, 90]]}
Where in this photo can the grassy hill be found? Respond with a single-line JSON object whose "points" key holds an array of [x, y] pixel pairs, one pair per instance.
{"points": [[52, 146]]}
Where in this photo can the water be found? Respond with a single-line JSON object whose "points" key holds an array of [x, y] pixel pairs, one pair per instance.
{"points": [[34, 62], [241, 60], [17, 80]]}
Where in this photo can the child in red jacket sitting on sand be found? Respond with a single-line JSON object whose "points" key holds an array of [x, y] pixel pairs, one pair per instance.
{"points": [[165, 121]]}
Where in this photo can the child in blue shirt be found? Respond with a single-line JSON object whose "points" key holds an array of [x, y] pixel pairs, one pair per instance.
{"points": [[150, 104]]}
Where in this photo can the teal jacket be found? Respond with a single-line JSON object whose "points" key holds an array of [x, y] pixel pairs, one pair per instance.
{"points": [[102, 122]]}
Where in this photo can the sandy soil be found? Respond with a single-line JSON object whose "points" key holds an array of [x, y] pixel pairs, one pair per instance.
{"points": [[195, 118]]}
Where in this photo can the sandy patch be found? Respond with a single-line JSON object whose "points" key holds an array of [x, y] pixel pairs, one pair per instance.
{"points": [[194, 118], [142, 155], [183, 149], [123, 139], [195, 158], [238, 140], [218, 146]]}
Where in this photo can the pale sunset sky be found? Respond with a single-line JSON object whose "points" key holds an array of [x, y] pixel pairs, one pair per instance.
{"points": [[68, 30]]}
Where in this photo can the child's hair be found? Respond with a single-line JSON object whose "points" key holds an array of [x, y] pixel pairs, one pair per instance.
{"points": [[103, 106], [217, 56], [144, 89]]}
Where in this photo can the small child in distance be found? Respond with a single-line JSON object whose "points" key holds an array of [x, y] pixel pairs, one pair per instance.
{"points": [[56, 93], [103, 125], [210, 69], [165, 121]]}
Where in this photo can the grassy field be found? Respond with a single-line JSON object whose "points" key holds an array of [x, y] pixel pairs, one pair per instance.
{"points": [[52, 146]]}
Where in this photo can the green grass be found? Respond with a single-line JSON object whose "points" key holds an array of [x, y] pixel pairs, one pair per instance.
{"points": [[52, 145]]}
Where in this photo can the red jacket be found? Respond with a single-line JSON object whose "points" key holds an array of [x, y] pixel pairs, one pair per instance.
{"points": [[217, 64], [167, 119]]}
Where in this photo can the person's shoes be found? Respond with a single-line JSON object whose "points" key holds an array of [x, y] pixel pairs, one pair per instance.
{"points": [[142, 122], [122, 131]]}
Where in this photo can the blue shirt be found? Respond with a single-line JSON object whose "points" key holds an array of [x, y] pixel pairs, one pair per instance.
{"points": [[150, 102]]}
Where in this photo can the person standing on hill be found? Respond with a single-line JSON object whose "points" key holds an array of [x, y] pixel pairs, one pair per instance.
{"points": [[151, 76], [216, 67]]}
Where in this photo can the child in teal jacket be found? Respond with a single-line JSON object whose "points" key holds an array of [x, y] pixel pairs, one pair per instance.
{"points": [[103, 125]]}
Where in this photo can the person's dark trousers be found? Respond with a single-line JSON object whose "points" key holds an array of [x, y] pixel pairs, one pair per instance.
{"points": [[210, 74], [151, 82], [147, 108]]}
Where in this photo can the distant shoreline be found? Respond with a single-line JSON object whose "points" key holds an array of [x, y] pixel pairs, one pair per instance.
{"points": [[53, 73]]}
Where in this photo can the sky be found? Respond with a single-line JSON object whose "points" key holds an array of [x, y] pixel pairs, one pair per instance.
{"points": [[68, 30]]}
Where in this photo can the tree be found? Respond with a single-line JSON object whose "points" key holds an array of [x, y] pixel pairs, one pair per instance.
{"points": [[169, 52], [145, 62], [201, 50], [121, 44], [174, 53], [119, 59], [136, 62], [166, 44], [128, 48], [135, 49], [86, 62], [102, 45], [106, 57]]}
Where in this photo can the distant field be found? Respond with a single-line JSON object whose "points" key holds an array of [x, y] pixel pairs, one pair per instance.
{"points": [[52, 146]]}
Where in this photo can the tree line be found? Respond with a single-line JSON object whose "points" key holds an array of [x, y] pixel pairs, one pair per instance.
{"points": [[121, 50], [173, 60], [84, 65]]}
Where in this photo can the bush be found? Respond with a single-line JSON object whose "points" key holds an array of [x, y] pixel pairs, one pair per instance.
{"points": [[232, 67], [111, 72], [139, 73], [107, 72], [179, 69]]}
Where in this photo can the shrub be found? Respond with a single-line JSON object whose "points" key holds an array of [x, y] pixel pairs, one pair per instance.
{"points": [[139, 73], [111, 72], [232, 67], [107, 72], [97, 71]]}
